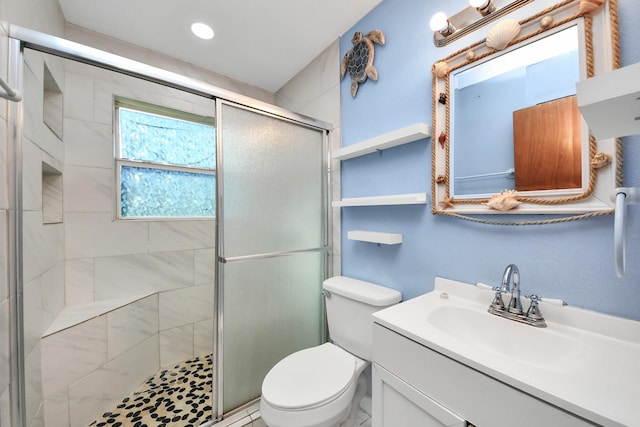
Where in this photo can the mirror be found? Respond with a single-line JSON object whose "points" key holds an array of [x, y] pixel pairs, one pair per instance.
{"points": [[498, 94], [507, 119]]}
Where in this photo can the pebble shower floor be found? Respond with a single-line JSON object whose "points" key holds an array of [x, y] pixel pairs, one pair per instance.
{"points": [[176, 397]]}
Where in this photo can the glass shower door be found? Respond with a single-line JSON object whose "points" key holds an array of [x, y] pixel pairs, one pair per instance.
{"points": [[272, 246]]}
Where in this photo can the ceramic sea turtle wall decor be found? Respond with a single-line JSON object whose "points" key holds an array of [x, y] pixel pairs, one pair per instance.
{"points": [[359, 60]]}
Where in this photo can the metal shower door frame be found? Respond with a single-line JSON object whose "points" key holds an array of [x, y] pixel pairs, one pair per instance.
{"points": [[221, 260]]}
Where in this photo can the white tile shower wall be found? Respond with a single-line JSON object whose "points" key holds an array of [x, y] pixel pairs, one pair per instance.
{"points": [[127, 257], [33, 385], [52, 296], [176, 345], [315, 91], [79, 275], [89, 366], [203, 338], [44, 16], [35, 129], [56, 409], [205, 265], [184, 306], [5, 408], [142, 273], [88, 189], [43, 244], [32, 307], [92, 235], [131, 324], [181, 235], [95, 392], [107, 259], [88, 143], [72, 354]]}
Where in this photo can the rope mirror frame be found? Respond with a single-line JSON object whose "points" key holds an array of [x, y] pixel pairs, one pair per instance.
{"points": [[569, 11]]}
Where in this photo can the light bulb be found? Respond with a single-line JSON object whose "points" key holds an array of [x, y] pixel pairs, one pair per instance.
{"points": [[479, 4], [202, 30], [485, 7], [439, 22]]}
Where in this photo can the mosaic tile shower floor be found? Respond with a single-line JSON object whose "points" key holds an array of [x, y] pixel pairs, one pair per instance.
{"points": [[175, 397]]}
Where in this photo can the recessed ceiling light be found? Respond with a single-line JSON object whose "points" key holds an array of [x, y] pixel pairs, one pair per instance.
{"points": [[202, 30]]}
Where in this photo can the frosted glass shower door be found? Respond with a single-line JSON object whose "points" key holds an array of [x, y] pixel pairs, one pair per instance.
{"points": [[272, 246]]}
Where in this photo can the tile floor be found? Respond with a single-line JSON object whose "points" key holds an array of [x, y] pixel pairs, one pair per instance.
{"points": [[180, 397], [176, 397]]}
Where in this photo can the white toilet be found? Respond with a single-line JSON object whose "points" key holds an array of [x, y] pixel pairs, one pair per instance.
{"points": [[322, 386]]}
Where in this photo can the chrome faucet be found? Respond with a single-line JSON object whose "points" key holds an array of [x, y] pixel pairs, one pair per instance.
{"points": [[514, 310], [512, 272]]}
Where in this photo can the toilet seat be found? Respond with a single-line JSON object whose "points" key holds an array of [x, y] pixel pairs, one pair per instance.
{"points": [[310, 378]]}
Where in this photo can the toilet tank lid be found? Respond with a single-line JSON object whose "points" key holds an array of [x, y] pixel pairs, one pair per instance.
{"points": [[359, 290]]}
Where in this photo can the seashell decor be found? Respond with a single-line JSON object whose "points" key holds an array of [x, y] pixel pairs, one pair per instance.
{"points": [[502, 34], [546, 21], [504, 201], [441, 69], [587, 6]]}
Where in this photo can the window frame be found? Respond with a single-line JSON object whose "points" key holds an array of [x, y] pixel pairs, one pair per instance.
{"points": [[120, 162]]}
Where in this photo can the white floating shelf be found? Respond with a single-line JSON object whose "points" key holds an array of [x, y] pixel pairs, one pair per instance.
{"points": [[397, 199], [375, 237], [397, 137], [610, 102]]}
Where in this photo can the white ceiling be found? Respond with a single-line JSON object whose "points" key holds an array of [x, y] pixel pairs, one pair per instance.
{"points": [[261, 42]]}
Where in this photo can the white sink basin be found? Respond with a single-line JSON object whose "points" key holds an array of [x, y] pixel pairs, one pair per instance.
{"points": [[585, 362], [542, 347]]}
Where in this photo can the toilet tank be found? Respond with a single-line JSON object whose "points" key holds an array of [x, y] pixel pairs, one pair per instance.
{"points": [[350, 304]]}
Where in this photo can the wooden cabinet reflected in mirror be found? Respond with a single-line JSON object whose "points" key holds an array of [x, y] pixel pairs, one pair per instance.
{"points": [[548, 146]]}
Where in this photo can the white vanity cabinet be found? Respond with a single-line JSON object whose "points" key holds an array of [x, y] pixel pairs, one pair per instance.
{"points": [[396, 403], [416, 386]]}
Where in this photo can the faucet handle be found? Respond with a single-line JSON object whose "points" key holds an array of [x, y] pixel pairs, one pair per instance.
{"points": [[498, 303], [534, 309]]}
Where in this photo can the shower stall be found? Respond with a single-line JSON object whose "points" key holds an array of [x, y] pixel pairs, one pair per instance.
{"points": [[161, 226]]}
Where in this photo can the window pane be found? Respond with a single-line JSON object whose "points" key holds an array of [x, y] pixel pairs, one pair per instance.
{"points": [[156, 192], [161, 139]]}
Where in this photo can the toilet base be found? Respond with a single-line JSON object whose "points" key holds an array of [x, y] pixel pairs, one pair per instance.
{"points": [[322, 416], [361, 390]]}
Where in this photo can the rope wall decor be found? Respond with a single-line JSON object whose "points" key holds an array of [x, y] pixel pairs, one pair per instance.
{"points": [[441, 70]]}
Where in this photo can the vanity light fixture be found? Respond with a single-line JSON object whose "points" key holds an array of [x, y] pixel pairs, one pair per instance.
{"points": [[201, 30], [478, 14]]}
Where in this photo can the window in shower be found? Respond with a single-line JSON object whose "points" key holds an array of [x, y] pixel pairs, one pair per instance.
{"points": [[165, 161]]}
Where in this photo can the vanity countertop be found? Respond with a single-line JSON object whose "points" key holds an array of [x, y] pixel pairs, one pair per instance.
{"points": [[585, 362]]}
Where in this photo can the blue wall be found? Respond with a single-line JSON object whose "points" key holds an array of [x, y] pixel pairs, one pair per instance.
{"points": [[572, 261]]}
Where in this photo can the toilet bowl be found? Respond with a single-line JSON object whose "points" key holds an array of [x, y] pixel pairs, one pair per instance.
{"points": [[293, 395], [322, 386]]}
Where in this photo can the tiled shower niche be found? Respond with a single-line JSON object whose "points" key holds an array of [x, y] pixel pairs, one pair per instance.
{"points": [[51, 194], [52, 103]]}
